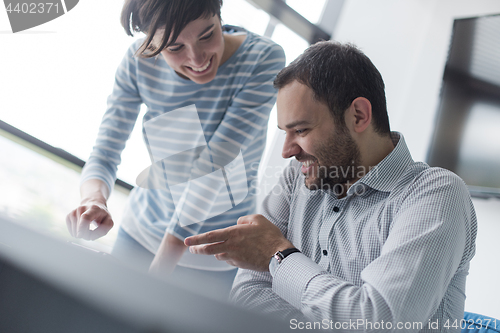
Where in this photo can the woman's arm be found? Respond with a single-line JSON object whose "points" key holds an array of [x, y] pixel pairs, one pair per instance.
{"points": [[168, 255], [99, 173]]}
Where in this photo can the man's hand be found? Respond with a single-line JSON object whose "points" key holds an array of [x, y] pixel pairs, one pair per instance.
{"points": [[79, 220], [250, 244]]}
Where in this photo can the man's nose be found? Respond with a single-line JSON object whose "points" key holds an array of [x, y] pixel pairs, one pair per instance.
{"points": [[290, 148]]}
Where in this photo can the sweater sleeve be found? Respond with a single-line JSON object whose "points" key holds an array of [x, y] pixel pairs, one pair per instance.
{"points": [[123, 107]]}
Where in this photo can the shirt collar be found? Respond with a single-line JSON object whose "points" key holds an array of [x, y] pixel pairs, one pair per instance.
{"points": [[384, 175]]}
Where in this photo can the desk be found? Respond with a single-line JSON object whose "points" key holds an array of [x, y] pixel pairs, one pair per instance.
{"points": [[47, 285]]}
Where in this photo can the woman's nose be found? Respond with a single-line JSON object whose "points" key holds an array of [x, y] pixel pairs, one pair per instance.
{"points": [[197, 56]]}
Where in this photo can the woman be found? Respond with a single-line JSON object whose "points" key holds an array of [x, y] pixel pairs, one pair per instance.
{"points": [[187, 57]]}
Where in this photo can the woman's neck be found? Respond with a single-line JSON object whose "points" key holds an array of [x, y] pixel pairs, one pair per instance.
{"points": [[231, 44]]}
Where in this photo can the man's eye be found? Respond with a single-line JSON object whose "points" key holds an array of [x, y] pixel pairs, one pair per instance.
{"points": [[300, 131], [207, 36]]}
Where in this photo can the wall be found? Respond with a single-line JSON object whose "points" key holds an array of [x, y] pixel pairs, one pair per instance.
{"points": [[408, 42]]}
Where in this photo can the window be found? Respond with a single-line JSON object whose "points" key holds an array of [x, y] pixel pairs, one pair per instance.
{"points": [[54, 83], [311, 9]]}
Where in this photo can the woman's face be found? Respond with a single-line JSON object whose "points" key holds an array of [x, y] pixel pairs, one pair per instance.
{"points": [[197, 52]]}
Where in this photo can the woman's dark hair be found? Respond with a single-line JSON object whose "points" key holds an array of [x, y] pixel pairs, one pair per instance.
{"points": [[338, 74], [147, 16]]}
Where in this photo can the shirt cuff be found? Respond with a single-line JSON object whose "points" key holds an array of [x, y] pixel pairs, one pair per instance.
{"points": [[293, 276]]}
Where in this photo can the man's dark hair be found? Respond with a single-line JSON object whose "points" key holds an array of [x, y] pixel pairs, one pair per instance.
{"points": [[147, 16], [338, 74]]}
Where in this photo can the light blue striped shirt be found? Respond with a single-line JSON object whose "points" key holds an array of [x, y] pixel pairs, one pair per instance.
{"points": [[234, 107]]}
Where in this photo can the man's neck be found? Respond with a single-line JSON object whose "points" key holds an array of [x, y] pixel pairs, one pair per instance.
{"points": [[373, 150]]}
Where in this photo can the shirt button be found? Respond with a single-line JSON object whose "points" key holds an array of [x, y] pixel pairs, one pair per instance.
{"points": [[325, 252], [336, 209]]}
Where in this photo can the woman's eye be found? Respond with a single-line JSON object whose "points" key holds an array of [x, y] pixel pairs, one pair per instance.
{"points": [[207, 36], [175, 49]]}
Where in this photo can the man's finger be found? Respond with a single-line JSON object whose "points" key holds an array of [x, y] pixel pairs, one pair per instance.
{"points": [[244, 220], [232, 263], [222, 257], [209, 249], [208, 237]]}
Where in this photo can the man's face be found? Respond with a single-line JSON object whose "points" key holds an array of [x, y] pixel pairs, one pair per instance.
{"points": [[328, 154]]}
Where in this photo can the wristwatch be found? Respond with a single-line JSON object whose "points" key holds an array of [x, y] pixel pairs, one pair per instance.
{"points": [[278, 257]]}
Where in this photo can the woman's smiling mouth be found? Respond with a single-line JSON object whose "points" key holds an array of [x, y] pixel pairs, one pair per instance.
{"points": [[201, 69]]}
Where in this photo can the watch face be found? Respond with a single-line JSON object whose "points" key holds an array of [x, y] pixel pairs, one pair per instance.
{"points": [[273, 265]]}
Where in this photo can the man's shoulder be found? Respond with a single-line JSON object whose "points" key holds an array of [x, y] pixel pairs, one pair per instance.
{"points": [[421, 177], [427, 174]]}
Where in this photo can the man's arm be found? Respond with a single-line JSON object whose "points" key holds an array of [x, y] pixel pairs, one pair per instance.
{"points": [[430, 244], [253, 290], [251, 243], [407, 282]]}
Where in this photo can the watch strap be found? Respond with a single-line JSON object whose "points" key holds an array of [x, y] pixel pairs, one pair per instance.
{"points": [[281, 255], [278, 257], [289, 251]]}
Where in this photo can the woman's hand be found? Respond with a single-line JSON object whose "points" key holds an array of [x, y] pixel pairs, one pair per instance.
{"points": [[92, 209], [80, 219]]}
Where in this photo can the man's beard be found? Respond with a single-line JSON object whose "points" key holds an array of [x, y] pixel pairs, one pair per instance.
{"points": [[337, 161]]}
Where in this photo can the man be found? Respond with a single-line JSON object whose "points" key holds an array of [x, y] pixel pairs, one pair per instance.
{"points": [[360, 237]]}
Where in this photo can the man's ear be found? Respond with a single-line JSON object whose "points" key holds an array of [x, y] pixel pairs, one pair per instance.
{"points": [[359, 114]]}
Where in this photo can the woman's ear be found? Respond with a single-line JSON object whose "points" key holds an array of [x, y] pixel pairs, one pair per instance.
{"points": [[360, 114]]}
